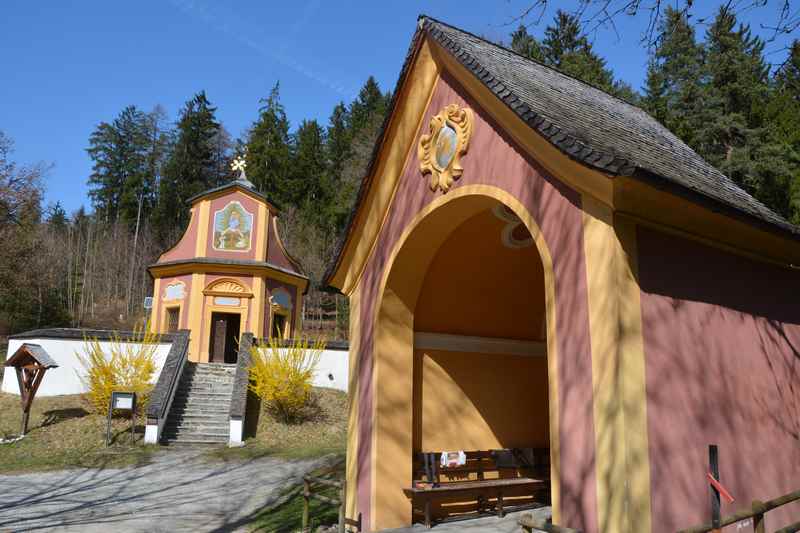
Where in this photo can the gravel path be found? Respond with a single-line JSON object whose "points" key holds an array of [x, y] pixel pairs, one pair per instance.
{"points": [[177, 491]]}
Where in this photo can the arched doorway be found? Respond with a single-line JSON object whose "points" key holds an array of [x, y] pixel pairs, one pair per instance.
{"points": [[464, 342]]}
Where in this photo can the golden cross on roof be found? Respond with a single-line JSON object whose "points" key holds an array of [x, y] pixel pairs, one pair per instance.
{"points": [[238, 164]]}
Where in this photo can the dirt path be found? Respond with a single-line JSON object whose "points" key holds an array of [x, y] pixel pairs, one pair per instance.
{"points": [[178, 491]]}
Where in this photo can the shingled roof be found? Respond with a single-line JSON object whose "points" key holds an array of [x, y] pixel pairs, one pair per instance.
{"points": [[588, 125]]}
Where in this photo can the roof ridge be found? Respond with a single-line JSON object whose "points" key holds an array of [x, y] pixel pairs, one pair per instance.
{"points": [[534, 61]]}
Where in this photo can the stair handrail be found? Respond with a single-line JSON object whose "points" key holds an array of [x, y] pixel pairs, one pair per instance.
{"points": [[241, 384], [164, 392]]}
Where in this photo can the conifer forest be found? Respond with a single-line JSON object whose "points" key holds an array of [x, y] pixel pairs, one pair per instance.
{"points": [[711, 84]]}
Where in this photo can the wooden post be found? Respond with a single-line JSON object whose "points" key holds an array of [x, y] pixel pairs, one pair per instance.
{"points": [[306, 497], [713, 465], [342, 497], [758, 517]]}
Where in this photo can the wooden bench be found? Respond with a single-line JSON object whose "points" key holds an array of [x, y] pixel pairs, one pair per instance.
{"points": [[486, 475]]}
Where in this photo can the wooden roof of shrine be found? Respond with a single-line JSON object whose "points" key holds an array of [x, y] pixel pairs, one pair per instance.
{"points": [[31, 351]]}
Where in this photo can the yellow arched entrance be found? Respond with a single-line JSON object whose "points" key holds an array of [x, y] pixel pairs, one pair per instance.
{"points": [[391, 456]]}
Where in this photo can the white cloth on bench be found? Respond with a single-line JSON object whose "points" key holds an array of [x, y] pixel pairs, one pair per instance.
{"points": [[450, 459]]}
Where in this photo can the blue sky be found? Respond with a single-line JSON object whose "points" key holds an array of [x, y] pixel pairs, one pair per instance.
{"points": [[66, 66]]}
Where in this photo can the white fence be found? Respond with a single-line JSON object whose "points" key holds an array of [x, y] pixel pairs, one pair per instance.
{"points": [[331, 371], [66, 378]]}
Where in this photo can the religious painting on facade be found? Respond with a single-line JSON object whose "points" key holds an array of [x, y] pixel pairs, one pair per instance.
{"points": [[233, 228]]}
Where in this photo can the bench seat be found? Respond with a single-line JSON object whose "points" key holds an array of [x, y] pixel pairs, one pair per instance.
{"points": [[461, 486], [530, 475]]}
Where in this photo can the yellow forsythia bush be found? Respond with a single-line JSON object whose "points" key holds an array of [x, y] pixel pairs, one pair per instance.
{"points": [[124, 366], [282, 375]]}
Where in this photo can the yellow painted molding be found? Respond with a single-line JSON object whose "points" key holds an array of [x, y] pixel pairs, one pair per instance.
{"points": [[208, 308], [195, 316], [201, 245], [397, 147], [192, 267], [263, 234], [154, 312], [634, 384], [351, 459], [227, 287], [618, 388], [257, 322], [394, 337], [665, 212]]}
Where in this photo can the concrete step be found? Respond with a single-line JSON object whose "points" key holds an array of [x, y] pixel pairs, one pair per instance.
{"points": [[219, 389], [200, 443], [188, 429], [210, 435], [210, 393]]}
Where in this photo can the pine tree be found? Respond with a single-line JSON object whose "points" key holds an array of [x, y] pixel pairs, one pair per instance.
{"points": [[118, 152], [783, 120], [526, 44], [309, 185], [369, 103], [191, 167], [731, 135], [674, 72], [127, 155], [566, 48], [268, 149]]}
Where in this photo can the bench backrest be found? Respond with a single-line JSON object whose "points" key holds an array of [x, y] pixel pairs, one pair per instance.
{"points": [[479, 463]]}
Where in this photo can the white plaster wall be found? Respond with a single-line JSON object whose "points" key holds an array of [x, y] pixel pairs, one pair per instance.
{"points": [[65, 379], [332, 370]]}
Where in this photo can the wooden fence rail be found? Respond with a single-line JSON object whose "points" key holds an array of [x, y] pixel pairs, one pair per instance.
{"points": [[309, 483], [757, 511], [529, 523]]}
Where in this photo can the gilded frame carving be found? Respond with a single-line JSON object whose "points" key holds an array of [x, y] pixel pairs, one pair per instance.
{"points": [[448, 135]]}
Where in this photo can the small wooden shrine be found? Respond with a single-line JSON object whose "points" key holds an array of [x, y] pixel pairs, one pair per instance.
{"points": [[30, 362]]}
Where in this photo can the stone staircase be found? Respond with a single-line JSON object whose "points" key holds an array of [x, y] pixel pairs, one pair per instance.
{"points": [[200, 410]]}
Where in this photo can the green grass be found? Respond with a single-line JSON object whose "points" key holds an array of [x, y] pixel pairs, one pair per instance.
{"points": [[286, 515], [323, 432], [63, 433], [3, 353]]}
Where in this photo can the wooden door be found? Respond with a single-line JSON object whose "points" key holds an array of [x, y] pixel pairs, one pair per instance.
{"points": [[219, 329]]}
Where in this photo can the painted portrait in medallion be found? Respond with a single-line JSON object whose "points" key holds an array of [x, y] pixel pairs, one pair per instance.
{"points": [[233, 228], [445, 150]]}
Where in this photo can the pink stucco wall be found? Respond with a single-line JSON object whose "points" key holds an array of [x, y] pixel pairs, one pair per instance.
{"points": [[185, 247], [722, 347], [275, 254], [494, 159]]}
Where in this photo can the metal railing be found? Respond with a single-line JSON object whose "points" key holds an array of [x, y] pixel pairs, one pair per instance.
{"points": [[756, 512], [164, 391], [241, 382], [309, 484]]}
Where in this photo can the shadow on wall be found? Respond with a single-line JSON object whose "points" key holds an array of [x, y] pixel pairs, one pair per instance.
{"points": [[722, 341], [252, 414]]}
